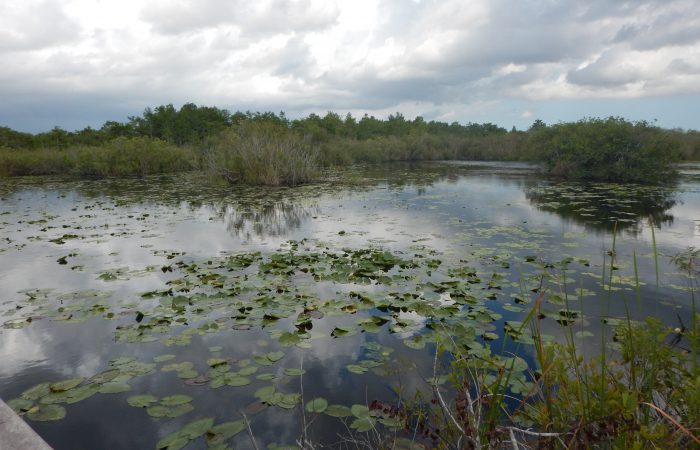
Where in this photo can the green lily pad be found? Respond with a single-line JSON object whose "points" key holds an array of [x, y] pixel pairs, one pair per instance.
{"points": [[338, 411], [317, 405], [20, 404], [157, 411], [248, 370], [179, 410], [66, 384], [173, 400], [289, 339], [45, 413], [163, 358], [223, 431], [354, 368], [274, 356], [141, 401], [81, 393], [237, 381], [359, 411], [364, 424], [36, 392], [104, 377], [197, 428], [114, 388]]}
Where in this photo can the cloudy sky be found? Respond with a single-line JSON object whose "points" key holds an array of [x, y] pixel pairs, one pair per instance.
{"points": [[75, 63]]}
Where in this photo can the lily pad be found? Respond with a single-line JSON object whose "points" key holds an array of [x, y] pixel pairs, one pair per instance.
{"points": [[317, 405], [223, 431], [173, 400], [141, 401], [65, 385], [338, 411], [45, 413]]}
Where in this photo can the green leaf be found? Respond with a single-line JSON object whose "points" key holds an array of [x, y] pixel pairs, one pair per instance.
{"points": [[248, 370], [163, 358], [66, 384], [354, 368], [317, 405], [173, 441], [359, 411], [157, 411], [264, 392], [338, 411], [363, 425], [223, 431], [179, 410], [197, 428], [237, 381], [141, 401], [289, 339], [45, 413], [114, 388], [274, 356], [173, 400], [20, 404], [36, 392]]}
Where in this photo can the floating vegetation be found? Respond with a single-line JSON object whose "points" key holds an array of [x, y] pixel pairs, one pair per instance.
{"points": [[263, 321], [42, 402]]}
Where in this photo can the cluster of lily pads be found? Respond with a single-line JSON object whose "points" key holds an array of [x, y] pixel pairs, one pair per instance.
{"points": [[43, 402]]}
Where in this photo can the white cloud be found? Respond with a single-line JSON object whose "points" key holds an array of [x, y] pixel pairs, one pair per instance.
{"points": [[363, 55]]}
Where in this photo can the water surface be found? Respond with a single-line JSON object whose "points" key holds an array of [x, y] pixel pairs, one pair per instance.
{"points": [[338, 290]]}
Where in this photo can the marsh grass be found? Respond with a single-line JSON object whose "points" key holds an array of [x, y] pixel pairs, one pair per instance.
{"points": [[138, 156]]}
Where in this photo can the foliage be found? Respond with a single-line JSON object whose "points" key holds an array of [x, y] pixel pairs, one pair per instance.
{"points": [[611, 149], [263, 153], [137, 156], [608, 402]]}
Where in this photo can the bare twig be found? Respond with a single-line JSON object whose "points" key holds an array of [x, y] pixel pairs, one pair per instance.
{"points": [[674, 421], [250, 432], [303, 412], [513, 440]]}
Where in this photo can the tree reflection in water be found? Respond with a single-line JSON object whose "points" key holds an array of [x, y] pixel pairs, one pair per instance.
{"points": [[602, 207]]}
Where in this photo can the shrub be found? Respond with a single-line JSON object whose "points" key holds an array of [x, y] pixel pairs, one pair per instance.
{"points": [[611, 149], [263, 153]]}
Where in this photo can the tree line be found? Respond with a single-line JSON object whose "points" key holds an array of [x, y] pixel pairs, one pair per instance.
{"points": [[216, 140], [193, 125]]}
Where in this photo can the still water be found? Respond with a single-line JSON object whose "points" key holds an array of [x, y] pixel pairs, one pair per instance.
{"points": [[150, 304]]}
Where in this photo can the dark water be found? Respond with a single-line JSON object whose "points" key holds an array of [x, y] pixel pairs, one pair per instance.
{"points": [[77, 257]]}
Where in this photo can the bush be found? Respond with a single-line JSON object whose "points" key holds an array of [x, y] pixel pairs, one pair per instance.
{"points": [[263, 153], [611, 149]]}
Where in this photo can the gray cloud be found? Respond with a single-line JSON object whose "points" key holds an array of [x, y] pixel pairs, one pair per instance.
{"points": [[255, 18], [605, 71], [27, 27], [443, 57]]}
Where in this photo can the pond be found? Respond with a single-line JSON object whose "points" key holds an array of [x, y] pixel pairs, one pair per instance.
{"points": [[133, 308]]}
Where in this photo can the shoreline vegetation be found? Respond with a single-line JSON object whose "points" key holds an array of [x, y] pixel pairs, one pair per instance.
{"points": [[270, 149]]}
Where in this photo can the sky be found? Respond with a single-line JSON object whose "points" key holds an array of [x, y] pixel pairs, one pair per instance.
{"points": [[78, 63]]}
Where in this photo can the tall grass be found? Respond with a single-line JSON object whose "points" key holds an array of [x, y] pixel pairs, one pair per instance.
{"points": [[123, 156], [642, 392]]}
